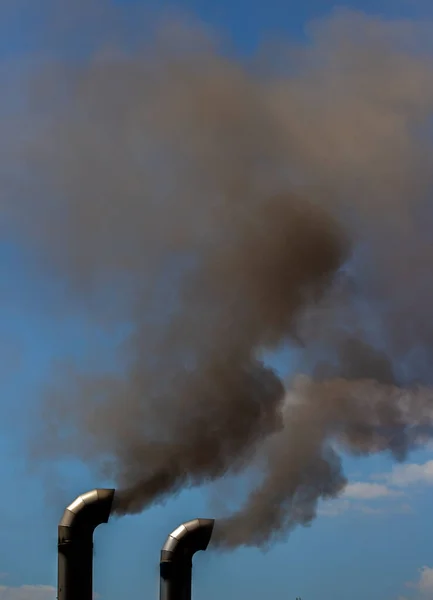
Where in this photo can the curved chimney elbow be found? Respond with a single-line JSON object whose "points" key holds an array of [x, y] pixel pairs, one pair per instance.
{"points": [[75, 543], [176, 558], [187, 539], [88, 510]]}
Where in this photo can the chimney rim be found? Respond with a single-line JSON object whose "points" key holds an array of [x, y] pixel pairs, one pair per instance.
{"points": [[188, 538], [90, 508]]}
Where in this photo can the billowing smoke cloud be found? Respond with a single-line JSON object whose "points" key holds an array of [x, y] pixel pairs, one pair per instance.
{"points": [[301, 464], [215, 210]]}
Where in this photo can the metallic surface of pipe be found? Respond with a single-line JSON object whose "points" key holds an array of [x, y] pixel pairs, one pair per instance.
{"points": [[176, 558], [75, 543]]}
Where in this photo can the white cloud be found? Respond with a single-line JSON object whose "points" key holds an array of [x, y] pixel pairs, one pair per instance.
{"points": [[369, 510], [333, 508], [399, 509], [410, 474], [28, 592], [424, 584], [358, 496], [368, 491], [404, 509], [31, 592]]}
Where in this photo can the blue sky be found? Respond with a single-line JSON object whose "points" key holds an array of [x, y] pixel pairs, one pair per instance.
{"points": [[374, 541]]}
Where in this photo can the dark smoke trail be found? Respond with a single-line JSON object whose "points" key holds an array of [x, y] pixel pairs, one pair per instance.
{"points": [[217, 211], [362, 416]]}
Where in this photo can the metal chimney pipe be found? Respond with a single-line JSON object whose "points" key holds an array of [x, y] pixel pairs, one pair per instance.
{"points": [[176, 558], [75, 543]]}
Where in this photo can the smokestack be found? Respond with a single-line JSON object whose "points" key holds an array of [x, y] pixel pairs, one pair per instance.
{"points": [[176, 558], [75, 543]]}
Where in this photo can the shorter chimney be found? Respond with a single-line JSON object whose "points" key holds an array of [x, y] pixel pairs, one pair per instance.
{"points": [[176, 558], [75, 543]]}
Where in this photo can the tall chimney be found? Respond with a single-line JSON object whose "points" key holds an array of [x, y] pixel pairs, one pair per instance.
{"points": [[75, 543], [176, 558]]}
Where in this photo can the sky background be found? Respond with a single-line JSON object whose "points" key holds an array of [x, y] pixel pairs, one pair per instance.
{"points": [[375, 541]]}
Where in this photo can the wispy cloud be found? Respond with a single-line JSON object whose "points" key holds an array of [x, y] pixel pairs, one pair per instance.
{"points": [[368, 498], [368, 491], [334, 508], [409, 475], [338, 507], [391, 485], [424, 584], [28, 592]]}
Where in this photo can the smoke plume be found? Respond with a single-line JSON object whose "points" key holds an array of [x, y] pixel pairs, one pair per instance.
{"points": [[215, 209]]}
